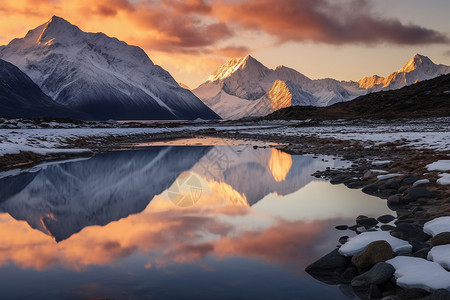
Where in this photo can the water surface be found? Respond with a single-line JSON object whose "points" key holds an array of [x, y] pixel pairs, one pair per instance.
{"points": [[178, 222]]}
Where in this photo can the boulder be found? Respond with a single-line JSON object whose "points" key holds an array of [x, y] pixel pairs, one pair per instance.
{"points": [[375, 252], [370, 189], [367, 222], [416, 193], [390, 184], [442, 238], [410, 179], [330, 261], [386, 219], [394, 200], [378, 274], [406, 231]]}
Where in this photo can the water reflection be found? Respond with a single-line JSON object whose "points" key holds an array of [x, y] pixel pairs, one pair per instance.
{"points": [[257, 209]]}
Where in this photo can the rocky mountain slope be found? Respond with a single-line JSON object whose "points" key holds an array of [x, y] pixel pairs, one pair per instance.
{"points": [[20, 96], [99, 75], [245, 87]]}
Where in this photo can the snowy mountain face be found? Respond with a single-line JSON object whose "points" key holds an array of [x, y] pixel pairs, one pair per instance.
{"points": [[419, 68], [244, 87], [21, 97], [99, 75]]}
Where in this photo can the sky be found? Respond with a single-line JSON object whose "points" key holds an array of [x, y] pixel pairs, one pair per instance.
{"points": [[341, 39]]}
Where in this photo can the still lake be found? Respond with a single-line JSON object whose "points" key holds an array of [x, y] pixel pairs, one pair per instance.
{"points": [[219, 221]]}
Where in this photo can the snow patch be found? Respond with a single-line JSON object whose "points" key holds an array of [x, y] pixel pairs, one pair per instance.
{"points": [[444, 180], [413, 272], [381, 162], [358, 243], [441, 255], [421, 181], [440, 165], [388, 176], [436, 226]]}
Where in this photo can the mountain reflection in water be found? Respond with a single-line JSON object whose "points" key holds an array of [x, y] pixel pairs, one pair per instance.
{"points": [[165, 207]]}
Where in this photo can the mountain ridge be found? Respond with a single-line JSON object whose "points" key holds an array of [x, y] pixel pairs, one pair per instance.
{"points": [[100, 75], [227, 90]]}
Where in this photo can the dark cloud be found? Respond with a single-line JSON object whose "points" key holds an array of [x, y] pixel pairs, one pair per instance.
{"points": [[324, 21]]}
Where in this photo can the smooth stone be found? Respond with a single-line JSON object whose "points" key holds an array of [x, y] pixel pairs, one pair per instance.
{"points": [[378, 274], [440, 294], [341, 227], [374, 292], [390, 184], [410, 179], [408, 231], [375, 252], [387, 227], [367, 222], [394, 199], [416, 193], [338, 179], [350, 273], [402, 189], [422, 253], [330, 261], [370, 188], [343, 239], [442, 238], [386, 219]]}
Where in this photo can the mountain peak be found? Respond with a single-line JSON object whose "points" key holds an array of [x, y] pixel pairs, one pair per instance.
{"points": [[57, 29], [416, 62], [232, 66]]}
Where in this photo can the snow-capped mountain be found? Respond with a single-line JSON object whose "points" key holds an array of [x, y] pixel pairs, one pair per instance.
{"points": [[245, 87], [419, 68], [21, 97], [99, 75]]}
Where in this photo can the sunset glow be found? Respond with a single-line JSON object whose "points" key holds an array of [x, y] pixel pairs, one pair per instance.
{"points": [[192, 38]]}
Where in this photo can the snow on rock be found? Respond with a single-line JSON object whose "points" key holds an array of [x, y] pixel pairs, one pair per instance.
{"points": [[441, 255], [376, 171], [444, 180], [388, 176], [436, 226], [359, 242], [381, 162], [440, 165], [421, 181], [414, 272]]}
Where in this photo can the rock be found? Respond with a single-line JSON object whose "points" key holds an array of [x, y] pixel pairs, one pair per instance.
{"points": [[343, 239], [410, 179], [350, 273], [406, 231], [340, 178], [442, 238], [330, 261], [416, 193], [360, 217], [375, 252], [380, 273], [374, 292], [394, 199], [367, 222], [440, 294], [387, 192], [370, 189], [387, 227], [341, 227], [356, 184], [402, 189], [422, 253], [390, 184], [386, 219], [417, 244], [367, 174]]}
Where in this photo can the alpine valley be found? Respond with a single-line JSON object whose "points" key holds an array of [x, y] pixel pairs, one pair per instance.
{"points": [[100, 76], [245, 87]]}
